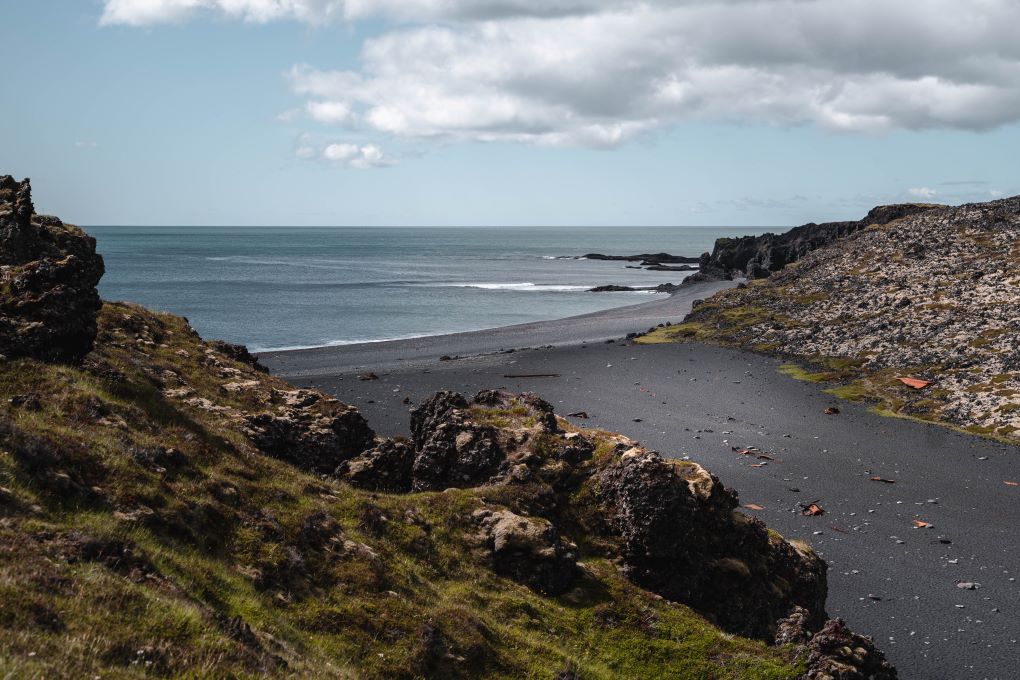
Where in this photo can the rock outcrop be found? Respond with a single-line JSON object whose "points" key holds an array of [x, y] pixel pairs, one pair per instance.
{"points": [[48, 276], [671, 526], [681, 538], [931, 295], [385, 467], [835, 652], [316, 434], [529, 550], [452, 449], [646, 259], [238, 353], [756, 257], [661, 288]]}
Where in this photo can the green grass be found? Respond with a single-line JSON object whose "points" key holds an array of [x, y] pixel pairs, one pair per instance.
{"points": [[800, 373]]}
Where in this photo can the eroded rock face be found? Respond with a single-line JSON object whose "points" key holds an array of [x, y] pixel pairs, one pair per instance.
{"points": [[386, 467], [317, 436], [529, 550], [238, 353], [671, 525], [489, 441], [758, 256], [453, 449], [48, 277], [682, 539]]}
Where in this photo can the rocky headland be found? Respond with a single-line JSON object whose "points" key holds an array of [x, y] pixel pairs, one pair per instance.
{"points": [[914, 307], [756, 257], [168, 508]]}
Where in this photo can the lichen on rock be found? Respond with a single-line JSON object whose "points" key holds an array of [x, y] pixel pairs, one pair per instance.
{"points": [[528, 550]]}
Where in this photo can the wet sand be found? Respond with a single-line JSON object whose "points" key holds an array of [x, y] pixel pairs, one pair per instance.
{"points": [[417, 352]]}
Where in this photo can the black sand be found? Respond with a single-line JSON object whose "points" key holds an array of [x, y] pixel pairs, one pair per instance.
{"points": [[887, 578]]}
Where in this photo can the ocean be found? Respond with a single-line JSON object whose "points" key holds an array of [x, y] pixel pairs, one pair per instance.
{"points": [[291, 287]]}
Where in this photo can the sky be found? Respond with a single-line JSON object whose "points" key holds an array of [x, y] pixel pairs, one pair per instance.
{"points": [[507, 112]]}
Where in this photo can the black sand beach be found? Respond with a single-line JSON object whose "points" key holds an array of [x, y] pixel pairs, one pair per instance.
{"points": [[416, 352], [897, 582]]}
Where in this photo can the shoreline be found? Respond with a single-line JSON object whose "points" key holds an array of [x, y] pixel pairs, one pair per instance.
{"points": [[609, 324]]}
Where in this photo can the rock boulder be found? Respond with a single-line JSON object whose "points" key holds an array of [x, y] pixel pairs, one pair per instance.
{"points": [[386, 467], [529, 550], [681, 538], [837, 653], [316, 436]]}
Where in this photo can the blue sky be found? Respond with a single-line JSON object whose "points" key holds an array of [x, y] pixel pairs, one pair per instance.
{"points": [[464, 112]]}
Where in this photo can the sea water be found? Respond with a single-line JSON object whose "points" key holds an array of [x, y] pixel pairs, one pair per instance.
{"points": [[291, 287]]}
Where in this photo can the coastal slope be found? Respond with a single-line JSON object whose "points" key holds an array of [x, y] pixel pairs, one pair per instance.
{"points": [[167, 508], [919, 313]]}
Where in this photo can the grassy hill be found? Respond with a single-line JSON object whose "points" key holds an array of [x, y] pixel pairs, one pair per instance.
{"points": [[142, 534]]}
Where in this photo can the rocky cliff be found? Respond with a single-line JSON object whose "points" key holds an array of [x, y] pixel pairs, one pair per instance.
{"points": [[929, 296], [756, 257], [169, 509], [48, 276]]}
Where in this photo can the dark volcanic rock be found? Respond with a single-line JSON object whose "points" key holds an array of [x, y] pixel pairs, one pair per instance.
{"points": [[837, 653], [758, 256], [675, 526], [614, 289], [645, 259], [452, 449], [528, 550], [317, 437], [433, 412], [387, 467], [668, 268], [48, 277], [661, 288], [456, 448], [682, 539], [538, 409], [238, 353], [670, 525]]}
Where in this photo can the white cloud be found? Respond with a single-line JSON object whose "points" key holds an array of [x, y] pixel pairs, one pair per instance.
{"points": [[86, 145], [597, 73], [922, 192], [147, 12], [359, 156], [329, 112]]}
